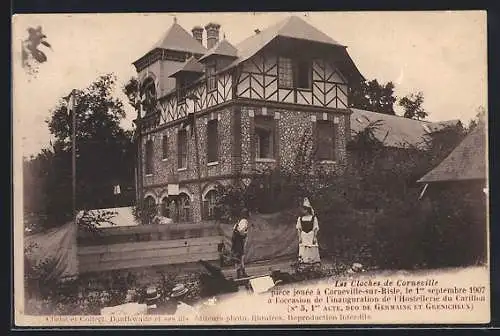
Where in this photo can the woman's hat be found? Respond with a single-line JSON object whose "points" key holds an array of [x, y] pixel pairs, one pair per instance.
{"points": [[152, 294], [178, 290], [307, 204]]}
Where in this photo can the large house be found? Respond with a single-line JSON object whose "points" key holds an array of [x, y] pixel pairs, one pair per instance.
{"points": [[220, 111], [214, 111]]}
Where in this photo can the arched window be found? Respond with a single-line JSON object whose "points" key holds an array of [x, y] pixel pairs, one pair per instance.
{"points": [[149, 95], [165, 207], [149, 209], [149, 157], [184, 208], [210, 204]]}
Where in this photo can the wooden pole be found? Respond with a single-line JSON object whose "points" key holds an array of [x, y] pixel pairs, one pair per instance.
{"points": [[73, 154]]}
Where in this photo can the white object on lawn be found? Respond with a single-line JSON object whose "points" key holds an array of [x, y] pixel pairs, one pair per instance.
{"points": [[131, 308], [261, 284]]}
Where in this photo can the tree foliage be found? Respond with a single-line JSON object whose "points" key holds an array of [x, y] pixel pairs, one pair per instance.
{"points": [[373, 96], [369, 209], [104, 157], [412, 105]]}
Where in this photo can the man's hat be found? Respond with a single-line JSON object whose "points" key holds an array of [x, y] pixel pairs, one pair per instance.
{"points": [[179, 290], [152, 294]]}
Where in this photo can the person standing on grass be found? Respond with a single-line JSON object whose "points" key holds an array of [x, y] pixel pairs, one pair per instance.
{"points": [[239, 239], [307, 230]]}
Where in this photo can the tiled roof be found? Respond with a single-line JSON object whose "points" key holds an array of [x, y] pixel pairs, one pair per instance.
{"points": [[466, 162], [291, 27], [178, 39], [191, 65], [223, 48], [396, 131]]}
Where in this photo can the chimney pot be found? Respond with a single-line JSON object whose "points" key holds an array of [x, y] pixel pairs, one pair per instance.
{"points": [[212, 30], [198, 33]]}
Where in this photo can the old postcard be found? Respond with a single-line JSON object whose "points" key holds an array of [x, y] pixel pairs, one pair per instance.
{"points": [[320, 168]]}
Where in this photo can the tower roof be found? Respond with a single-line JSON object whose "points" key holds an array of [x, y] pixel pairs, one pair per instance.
{"points": [[177, 38]]}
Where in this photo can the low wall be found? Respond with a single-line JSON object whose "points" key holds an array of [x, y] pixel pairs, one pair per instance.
{"points": [[118, 248]]}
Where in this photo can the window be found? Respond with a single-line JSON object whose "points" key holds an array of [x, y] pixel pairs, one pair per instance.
{"points": [[149, 157], [325, 140], [181, 90], [211, 79], [210, 204], [184, 208], [303, 79], [285, 72], [164, 147], [212, 141], [294, 73], [264, 137], [165, 207], [182, 149]]}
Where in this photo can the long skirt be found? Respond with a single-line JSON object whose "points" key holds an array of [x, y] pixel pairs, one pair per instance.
{"points": [[238, 244], [308, 250]]}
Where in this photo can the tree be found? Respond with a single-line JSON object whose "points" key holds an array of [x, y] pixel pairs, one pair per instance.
{"points": [[480, 117], [412, 105], [373, 96], [104, 156]]}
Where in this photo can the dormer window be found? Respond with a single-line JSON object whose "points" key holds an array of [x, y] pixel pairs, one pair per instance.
{"points": [[211, 78], [294, 73], [181, 90]]}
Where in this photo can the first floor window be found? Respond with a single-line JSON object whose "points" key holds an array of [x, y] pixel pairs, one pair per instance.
{"points": [[325, 140], [294, 73], [164, 147], [149, 157], [211, 78], [182, 149], [212, 141], [285, 72], [264, 137], [303, 75]]}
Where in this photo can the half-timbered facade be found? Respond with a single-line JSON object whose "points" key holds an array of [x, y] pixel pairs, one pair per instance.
{"points": [[212, 113]]}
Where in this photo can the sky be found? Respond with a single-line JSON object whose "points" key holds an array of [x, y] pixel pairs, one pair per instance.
{"points": [[443, 54]]}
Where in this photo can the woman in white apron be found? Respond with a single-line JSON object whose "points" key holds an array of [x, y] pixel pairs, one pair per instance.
{"points": [[307, 229]]}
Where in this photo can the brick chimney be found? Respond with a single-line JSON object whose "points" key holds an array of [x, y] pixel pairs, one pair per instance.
{"points": [[198, 33], [212, 30]]}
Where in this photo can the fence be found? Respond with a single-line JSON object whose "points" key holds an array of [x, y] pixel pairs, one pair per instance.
{"points": [[117, 248]]}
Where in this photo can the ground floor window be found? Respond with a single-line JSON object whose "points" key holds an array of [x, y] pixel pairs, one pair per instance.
{"points": [[184, 208], [210, 205]]}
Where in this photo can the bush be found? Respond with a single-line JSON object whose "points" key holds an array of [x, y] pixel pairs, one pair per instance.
{"points": [[369, 211]]}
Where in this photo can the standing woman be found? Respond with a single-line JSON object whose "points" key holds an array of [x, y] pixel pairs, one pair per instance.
{"points": [[307, 229], [239, 239]]}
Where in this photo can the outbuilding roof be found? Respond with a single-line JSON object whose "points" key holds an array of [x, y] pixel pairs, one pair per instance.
{"points": [[396, 131], [466, 162]]}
